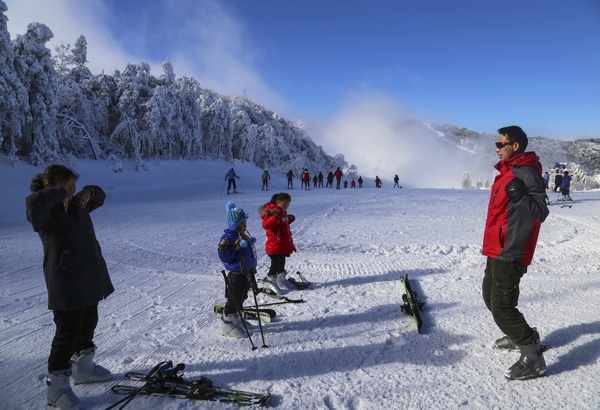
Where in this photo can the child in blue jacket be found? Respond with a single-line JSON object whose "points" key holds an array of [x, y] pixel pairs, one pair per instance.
{"points": [[236, 251]]}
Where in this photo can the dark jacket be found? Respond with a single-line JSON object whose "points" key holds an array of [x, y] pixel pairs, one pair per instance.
{"points": [[74, 269], [512, 229]]}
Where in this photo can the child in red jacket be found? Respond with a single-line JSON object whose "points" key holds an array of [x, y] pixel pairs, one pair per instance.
{"points": [[279, 244]]}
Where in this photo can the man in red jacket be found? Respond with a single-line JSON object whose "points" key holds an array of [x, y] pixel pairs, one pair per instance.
{"points": [[516, 210]]}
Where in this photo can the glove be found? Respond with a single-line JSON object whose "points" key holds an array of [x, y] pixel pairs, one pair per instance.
{"points": [[516, 189], [291, 218]]}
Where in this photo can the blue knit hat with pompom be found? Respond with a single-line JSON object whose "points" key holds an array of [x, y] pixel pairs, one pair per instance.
{"points": [[234, 215]]}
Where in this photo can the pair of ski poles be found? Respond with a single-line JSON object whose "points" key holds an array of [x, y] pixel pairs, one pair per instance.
{"points": [[240, 311]]}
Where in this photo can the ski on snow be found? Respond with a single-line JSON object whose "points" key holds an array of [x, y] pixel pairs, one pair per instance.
{"points": [[166, 380], [249, 313], [412, 305]]}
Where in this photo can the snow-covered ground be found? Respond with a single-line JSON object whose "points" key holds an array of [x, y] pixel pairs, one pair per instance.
{"points": [[348, 346]]}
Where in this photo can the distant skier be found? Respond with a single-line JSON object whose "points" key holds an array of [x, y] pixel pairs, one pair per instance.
{"points": [[546, 179], [329, 180], [315, 181], [565, 186], [236, 251], [377, 182], [320, 177], [352, 183], [306, 179], [360, 182], [396, 179], [230, 178], [557, 181], [516, 210], [290, 177], [279, 245], [265, 180], [338, 177], [345, 183]]}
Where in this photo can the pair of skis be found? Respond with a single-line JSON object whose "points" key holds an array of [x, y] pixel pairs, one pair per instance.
{"points": [[166, 380]]}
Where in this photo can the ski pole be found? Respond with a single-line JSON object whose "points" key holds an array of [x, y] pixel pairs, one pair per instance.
{"points": [[237, 308], [241, 187], [159, 368], [254, 287]]}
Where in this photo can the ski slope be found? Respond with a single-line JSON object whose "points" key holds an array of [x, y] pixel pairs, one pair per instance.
{"points": [[348, 346]]}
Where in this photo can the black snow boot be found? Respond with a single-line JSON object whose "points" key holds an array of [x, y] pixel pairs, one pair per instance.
{"points": [[530, 365]]}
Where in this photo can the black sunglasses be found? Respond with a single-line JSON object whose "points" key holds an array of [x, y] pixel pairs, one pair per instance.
{"points": [[501, 145]]}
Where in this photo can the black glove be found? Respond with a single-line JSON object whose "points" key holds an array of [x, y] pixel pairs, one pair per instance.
{"points": [[516, 189]]}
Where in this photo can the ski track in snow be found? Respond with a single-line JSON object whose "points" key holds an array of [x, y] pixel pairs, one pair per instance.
{"points": [[348, 346]]}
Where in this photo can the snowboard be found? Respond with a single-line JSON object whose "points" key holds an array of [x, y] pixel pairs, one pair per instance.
{"points": [[412, 305]]}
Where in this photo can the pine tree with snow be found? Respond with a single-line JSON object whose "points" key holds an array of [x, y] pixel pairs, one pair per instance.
{"points": [[35, 69], [14, 104]]}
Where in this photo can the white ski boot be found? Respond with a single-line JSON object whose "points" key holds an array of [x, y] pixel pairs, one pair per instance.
{"points": [[270, 283], [59, 392], [232, 326], [85, 370], [283, 282]]}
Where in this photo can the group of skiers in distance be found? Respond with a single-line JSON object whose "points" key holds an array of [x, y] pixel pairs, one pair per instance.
{"points": [[306, 179]]}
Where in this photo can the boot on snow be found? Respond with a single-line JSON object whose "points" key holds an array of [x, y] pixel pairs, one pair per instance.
{"points": [[59, 392], [232, 326], [270, 283], [85, 370], [530, 365], [283, 282]]}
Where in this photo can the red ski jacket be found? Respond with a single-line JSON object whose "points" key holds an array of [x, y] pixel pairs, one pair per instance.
{"points": [[276, 223], [512, 229]]}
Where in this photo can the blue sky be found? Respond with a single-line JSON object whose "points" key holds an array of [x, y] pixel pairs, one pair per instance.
{"points": [[473, 63]]}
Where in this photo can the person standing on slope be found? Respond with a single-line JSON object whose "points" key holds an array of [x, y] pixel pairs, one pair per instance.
{"points": [[265, 180], [279, 245], [565, 187], [230, 178], [76, 278], [516, 211], [338, 177], [236, 251], [290, 178]]}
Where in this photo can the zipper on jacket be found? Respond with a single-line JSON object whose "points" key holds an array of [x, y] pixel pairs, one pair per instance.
{"points": [[495, 194], [501, 237]]}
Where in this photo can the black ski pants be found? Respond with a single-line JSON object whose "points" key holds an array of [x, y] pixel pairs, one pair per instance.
{"points": [[237, 291], [277, 264], [501, 296], [74, 333]]}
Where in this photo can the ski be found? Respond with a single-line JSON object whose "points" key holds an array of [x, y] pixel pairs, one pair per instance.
{"points": [[172, 384], [272, 294], [412, 305], [566, 206], [249, 313]]}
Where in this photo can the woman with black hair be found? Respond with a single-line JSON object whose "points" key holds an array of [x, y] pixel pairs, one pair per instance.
{"points": [[76, 277]]}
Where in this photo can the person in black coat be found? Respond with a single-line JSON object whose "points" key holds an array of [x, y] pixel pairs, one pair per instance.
{"points": [[76, 277]]}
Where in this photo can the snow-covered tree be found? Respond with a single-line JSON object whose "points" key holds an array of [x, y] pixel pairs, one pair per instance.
{"points": [[35, 69], [14, 104], [466, 181]]}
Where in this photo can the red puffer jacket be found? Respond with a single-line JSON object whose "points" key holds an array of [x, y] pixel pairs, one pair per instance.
{"points": [[512, 229], [277, 222]]}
